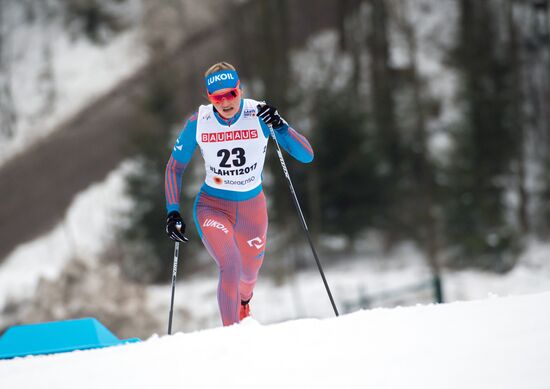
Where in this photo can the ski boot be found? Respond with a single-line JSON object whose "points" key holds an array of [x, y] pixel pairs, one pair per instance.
{"points": [[244, 310]]}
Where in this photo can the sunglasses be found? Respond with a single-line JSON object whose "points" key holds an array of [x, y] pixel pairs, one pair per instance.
{"points": [[229, 95]]}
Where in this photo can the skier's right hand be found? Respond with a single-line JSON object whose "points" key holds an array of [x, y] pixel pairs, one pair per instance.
{"points": [[175, 227]]}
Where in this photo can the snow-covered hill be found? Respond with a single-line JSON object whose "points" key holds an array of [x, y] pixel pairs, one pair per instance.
{"points": [[52, 69], [57, 57], [496, 343], [71, 63], [300, 295]]}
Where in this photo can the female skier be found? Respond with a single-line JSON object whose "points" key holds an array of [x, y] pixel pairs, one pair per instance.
{"points": [[230, 209]]}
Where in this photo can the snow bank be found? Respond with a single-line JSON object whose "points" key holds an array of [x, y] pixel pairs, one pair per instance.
{"points": [[496, 343], [47, 256], [55, 73]]}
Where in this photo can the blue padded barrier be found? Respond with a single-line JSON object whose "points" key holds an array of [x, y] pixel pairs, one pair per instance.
{"points": [[57, 337]]}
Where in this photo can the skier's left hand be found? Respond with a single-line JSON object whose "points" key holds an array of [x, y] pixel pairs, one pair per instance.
{"points": [[270, 116]]}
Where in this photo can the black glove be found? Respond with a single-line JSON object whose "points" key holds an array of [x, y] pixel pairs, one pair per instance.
{"points": [[270, 116], [175, 227]]}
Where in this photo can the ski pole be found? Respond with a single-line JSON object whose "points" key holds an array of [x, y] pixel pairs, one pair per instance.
{"points": [[174, 274], [302, 218]]}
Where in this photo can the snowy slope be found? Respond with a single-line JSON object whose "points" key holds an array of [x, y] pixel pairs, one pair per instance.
{"points": [[54, 73], [26, 265], [53, 69], [300, 295], [496, 343]]}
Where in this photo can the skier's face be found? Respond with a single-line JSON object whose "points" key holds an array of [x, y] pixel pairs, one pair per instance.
{"points": [[227, 102]]}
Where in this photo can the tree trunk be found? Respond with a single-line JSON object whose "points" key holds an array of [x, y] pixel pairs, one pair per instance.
{"points": [[518, 117], [383, 114], [424, 169], [8, 115]]}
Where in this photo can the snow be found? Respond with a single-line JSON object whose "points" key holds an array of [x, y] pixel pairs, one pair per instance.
{"points": [[75, 88], [352, 282], [54, 71], [500, 342], [82, 234], [59, 75], [435, 24], [494, 343], [301, 294]]}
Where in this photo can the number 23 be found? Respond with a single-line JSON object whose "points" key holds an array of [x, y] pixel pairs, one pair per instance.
{"points": [[238, 152]]}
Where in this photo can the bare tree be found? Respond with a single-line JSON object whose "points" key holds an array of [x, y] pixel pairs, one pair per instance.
{"points": [[383, 111], [424, 214], [8, 115], [532, 18]]}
